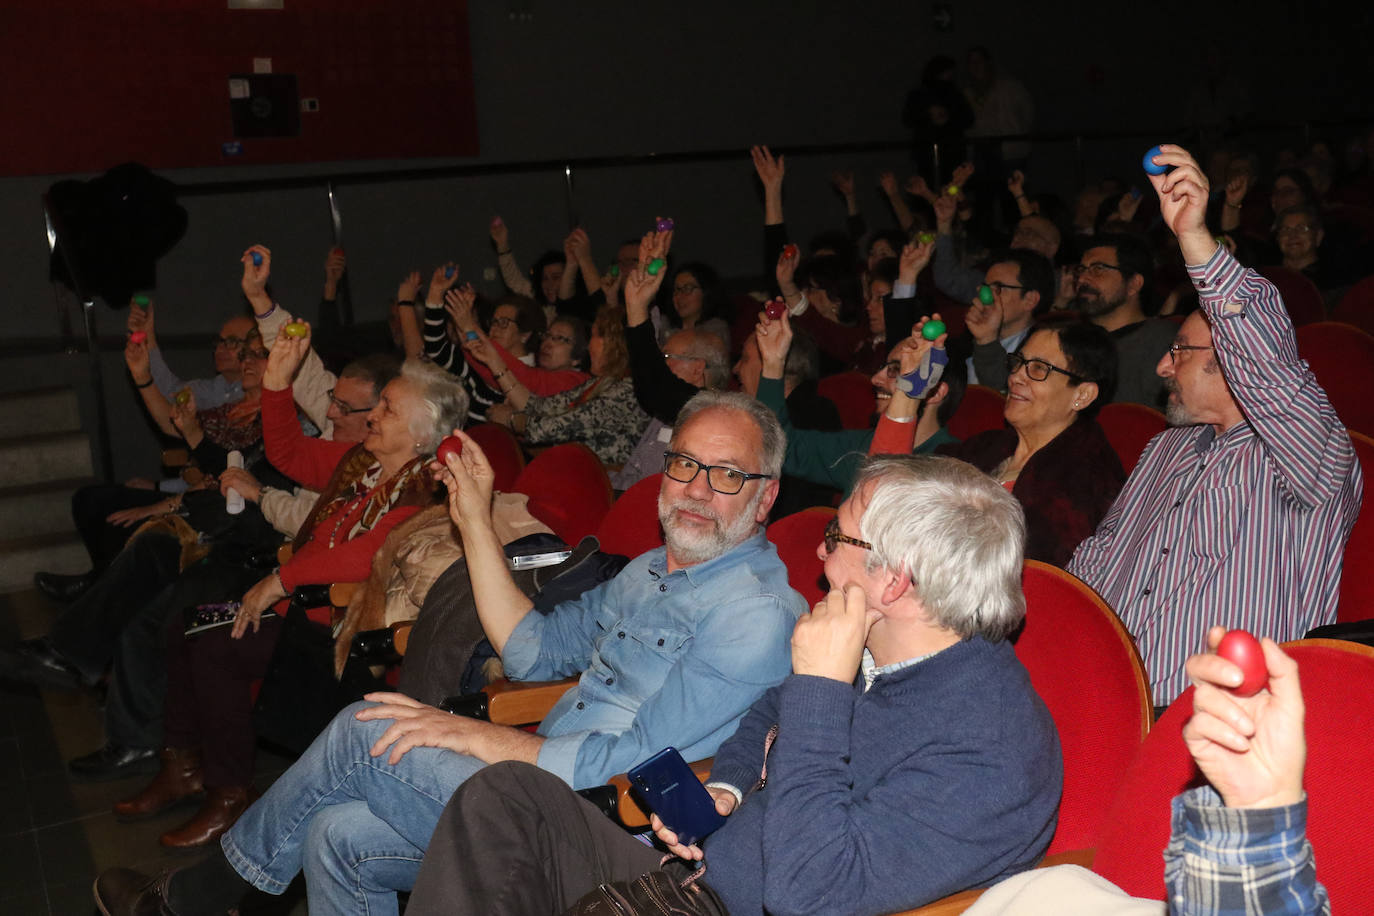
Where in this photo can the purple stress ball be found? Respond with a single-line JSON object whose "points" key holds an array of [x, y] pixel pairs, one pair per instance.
{"points": [[932, 329], [665, 225], [1149, 163], [257, 259]]}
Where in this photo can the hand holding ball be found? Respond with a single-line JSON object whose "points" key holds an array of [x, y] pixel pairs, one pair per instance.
{"points": [[257, 259], [138, 337], [1149, 163], [932, 329], [775, 309], [183, 397], [985, 294], [296, 329]]}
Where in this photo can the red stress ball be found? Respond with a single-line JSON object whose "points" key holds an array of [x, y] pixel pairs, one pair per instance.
{"points": [[1244, 651], [138, 337], [296, 329], [790, 251], [451, 445], [775, 309]]}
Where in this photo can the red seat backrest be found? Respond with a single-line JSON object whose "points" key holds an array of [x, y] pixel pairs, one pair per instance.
{"points": [[1357, 306], [568, 490], [852, 395], [797, 536], [1129, 428], [1342, 357], [631, 526], [980, 410], [1357, 573], [1085, 666], [503, 453], [1337, 681], [1300, 295]]}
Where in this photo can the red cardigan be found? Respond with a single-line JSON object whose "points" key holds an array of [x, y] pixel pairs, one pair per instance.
{"points": [[540, 382], [311, 462]]}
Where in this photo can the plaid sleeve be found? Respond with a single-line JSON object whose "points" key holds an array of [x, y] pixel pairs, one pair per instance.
{"points": [[1240, 862]]}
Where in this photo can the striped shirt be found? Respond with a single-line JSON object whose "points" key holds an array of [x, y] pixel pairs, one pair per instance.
{"points": [[442, 352], [1243, 529]]}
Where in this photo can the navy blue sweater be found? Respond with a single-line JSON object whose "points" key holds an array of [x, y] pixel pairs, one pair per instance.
{"points": [[943, 776]]}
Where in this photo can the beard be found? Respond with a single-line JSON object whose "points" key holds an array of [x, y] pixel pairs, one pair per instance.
{"points": [[1093, 304], [689, 545], [1174, 411]]}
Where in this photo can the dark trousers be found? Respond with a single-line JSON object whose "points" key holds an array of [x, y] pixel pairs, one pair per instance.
{"points": [[210, 696], [138, 677], [516, 840], [92, 504], [87, 632]]}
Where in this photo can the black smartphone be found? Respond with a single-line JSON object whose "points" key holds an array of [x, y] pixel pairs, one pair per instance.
{"points": [[673, 792]]}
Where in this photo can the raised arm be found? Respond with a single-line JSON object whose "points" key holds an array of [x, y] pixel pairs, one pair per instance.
{"points": [[1255, 346], [657, 389], [511, 274], [159, 408], [312, 382]]}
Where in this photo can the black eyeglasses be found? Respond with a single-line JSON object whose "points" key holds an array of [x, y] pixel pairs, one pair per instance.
{"points": [[1174, 350], [998, 287], [233, 343], [834, 537], [254, 353], [1096, 268], [1037, 370], [343, 408], [719, 477]]}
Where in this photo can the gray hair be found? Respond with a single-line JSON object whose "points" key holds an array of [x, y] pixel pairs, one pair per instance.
{"points": [[443, 400], [376, 369], [803, 358], [955, 532], [710, 349], [774, 439]]}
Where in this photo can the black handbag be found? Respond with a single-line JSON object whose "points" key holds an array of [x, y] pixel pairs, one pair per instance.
{"points": [[676, 889]]}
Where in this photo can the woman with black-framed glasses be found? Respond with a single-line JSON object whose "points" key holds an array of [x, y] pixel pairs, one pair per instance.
{"points": [[1052, 455]]}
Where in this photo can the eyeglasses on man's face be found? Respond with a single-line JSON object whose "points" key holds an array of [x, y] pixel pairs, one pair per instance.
{"points": [[1177, 348], [719, 477], [344, 408], [1096, 269], [257, 353], [1037, 370], [685, 289], [834, 537], [998, 287]]}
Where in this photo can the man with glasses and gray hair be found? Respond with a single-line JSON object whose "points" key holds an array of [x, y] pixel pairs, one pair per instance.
{"points": [[1238, 516], [905, 758], [672, 652]]}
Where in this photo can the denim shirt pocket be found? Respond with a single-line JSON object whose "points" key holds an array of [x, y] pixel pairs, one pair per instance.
{"points": [[646, 655], [1219, 512]]}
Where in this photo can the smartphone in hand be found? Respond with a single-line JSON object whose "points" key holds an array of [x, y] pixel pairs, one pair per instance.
{"points": [[672, 791]]}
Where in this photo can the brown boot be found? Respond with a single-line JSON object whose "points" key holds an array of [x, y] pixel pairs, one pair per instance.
{"points": [[178, 780], [222, 807]]}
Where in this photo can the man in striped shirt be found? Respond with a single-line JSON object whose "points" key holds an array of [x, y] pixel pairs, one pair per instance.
{"points": [[1238, 515]]}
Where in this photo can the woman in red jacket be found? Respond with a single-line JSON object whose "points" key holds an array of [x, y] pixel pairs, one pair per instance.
{"points": [[365, 490]]}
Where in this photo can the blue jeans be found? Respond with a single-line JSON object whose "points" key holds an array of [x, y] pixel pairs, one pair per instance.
{"points": [[355, 824]]}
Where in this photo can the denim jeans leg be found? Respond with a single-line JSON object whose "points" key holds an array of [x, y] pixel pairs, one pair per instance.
{"points": [[355, 862], [267, 845]]}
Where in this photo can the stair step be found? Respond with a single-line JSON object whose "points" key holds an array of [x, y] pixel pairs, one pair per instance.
{"points": [[20, 558], [41, 410], [43, 508], [38, 458]]}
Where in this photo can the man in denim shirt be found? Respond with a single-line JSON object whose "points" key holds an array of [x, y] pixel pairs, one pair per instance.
{"points": [[673, 652]]}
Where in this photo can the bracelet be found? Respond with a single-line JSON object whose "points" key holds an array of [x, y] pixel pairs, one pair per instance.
{"points": [[266, 314], [144, 385], [502, 254], [1231, 205], [405, 302]]}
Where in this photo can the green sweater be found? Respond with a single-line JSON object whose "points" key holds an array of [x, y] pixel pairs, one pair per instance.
{"points": [[829, 457]]}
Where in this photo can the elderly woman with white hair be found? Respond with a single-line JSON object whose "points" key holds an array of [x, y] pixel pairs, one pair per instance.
{"points": [[366, 489]]}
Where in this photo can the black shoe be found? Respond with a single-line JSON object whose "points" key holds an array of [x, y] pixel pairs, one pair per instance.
{"points": [[63, 589], [125, 892], [113, 761], [36, 662]]}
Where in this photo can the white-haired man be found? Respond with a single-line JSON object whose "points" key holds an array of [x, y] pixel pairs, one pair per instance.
{"points": [[907, 756], [673, 651]]}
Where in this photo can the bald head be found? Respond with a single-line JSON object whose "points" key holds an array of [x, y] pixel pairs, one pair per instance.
{"points": [[698, 358]]}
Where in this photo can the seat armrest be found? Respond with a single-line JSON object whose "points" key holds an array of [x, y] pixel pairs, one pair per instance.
{"points": [[631, 815], [510, 702]]}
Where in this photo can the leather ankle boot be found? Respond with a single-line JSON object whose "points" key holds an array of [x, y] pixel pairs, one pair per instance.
{"points": [[221, 809], [177, 781]]}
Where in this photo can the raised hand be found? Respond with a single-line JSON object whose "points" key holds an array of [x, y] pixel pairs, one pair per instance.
{"points": [[500, 234], [254, 280], [1236, 189], [769, 169], [577, 245], [786, 268], [440, 281], [888, 182], [409, 287], [1183, 202], [843, 183], [136, 358], [774, 338], [185, 418], [470, 482], [914, 258], [640, 287], [1128, 205], [460, 303], [984, 322], [917, 187], [1016, 184], [945, 208], [335, 263], [481, 348], [1251, 749], [962, 173], [285, 358]]}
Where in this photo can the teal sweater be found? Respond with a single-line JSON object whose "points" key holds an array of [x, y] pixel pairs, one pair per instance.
{"points": [[828, 457]]}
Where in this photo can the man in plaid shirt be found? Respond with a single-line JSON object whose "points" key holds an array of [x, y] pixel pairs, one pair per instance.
{"points": [[1239, 846]]}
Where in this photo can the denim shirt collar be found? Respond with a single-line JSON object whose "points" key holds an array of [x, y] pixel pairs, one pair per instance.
{"points": [[698, 574]]}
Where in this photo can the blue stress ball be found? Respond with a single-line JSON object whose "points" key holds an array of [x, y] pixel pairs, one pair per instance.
{"points": [[1149, 163], [257, 259]]}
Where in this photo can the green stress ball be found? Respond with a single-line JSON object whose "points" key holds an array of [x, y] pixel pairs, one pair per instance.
{"points": [[296, 329], [932, 329], [183, 397], [655, 266], [952, 190], [141, 301], [615, 270], [926, 238], [985, 294]]}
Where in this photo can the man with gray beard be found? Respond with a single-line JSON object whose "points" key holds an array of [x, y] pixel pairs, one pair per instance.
{"points": [[672, 652]]}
